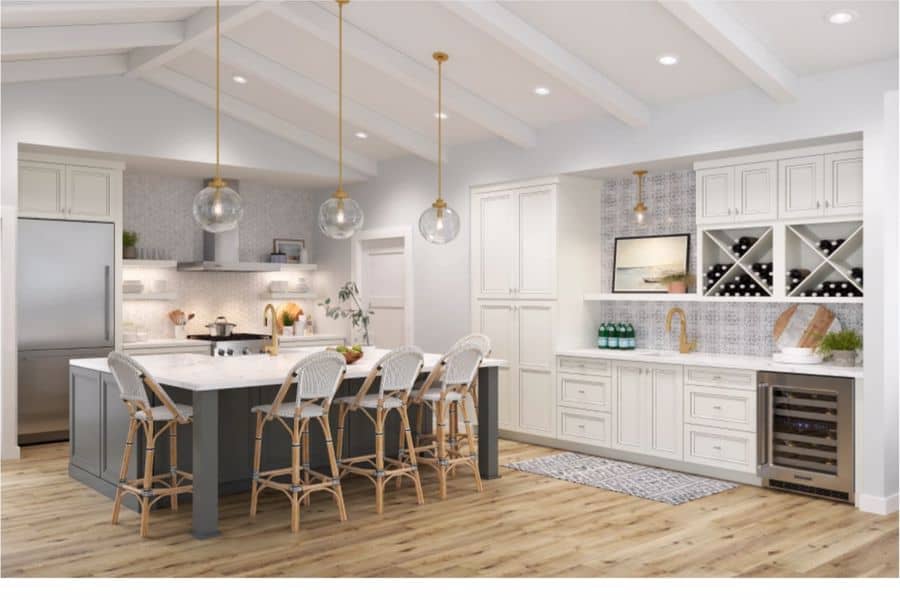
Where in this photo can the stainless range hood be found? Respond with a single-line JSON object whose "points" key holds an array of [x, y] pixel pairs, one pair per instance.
{"points": [[220, 250], [220, 253]]}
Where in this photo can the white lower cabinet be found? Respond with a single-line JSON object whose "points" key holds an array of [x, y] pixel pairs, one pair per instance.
{"points": [[537, 411], [723, 448], [585, 426], [648, 408]]}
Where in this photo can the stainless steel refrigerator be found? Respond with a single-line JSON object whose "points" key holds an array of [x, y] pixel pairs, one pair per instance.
{"points": [[65, 282]]}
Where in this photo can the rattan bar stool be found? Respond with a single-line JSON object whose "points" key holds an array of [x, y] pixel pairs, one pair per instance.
{"points": [[318, 377], [398, 371], [131, 379], [459, 369]]}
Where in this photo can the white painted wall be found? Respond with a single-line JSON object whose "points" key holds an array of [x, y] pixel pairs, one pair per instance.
{"points": [[122, 116], [836, 103]]}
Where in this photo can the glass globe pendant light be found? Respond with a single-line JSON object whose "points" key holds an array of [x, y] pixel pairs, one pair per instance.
{"points": [[641, 212], [217, 207], [340, 216], [439, 223]]}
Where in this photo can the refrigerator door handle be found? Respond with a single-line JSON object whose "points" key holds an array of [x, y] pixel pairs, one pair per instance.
{"points": [[762, 424], [107, 301]]}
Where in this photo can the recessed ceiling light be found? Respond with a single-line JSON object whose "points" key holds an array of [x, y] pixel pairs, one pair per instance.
{"points": [[842, 17], [362, 135], [239, 79], [667, 59], [542, 91], [442, 115]]}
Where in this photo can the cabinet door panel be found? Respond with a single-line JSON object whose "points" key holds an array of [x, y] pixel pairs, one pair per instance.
{"points": [[89, 191], [665, 418], [499, 244], [498, 323], [535, 336], [115, 431], [537, 410], [756, 196], [844, 183], [84, 428], [584, 426], [629, 407], [800, 187], [537, 243], [42, 188], [715, 193]]}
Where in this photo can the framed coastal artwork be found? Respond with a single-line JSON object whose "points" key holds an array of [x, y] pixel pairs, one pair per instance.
{"points": [[641, 262], [293, 249]]}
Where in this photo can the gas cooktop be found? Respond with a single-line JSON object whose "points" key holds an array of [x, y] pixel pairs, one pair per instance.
{"points": [[236, 344], [234, 337]]}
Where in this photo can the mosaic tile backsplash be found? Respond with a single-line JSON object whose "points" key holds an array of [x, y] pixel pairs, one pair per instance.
{"points": [[720, 327], [159, 208]]}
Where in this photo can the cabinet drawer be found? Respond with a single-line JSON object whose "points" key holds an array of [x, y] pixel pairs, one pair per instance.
{"points": [[584, 366], [735, 450], [591, 393], [583, 426], [720, 377], [720, 407]]}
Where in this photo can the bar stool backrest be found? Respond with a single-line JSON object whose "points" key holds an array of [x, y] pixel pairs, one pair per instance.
{"points": [[131, 377], [461, 365], [319, 375], [479, 340], [399, 369]]}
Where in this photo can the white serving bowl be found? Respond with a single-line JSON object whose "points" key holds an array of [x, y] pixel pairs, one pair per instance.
{"points": [[798, 352]]}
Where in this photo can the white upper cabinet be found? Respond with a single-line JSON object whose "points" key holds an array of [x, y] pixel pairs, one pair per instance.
{"points": [[57, 190], [801, 187], [844, 183], [756, 191], [516, 255], [715, 195]]}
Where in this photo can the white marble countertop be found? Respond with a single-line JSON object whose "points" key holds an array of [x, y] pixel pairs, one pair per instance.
{"points": [[172, 342], [727, 361], [203, 373]]}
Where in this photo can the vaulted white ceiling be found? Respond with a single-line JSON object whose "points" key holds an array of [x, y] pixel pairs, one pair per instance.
{"points": [[597, 58]]}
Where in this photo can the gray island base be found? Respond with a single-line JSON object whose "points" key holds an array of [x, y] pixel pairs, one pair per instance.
{"points": [[218, 446]]}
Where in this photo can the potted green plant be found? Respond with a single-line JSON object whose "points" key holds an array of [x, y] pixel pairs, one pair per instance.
{"points": [[288, 321], [678, 283], [841, 346], [129, 244], [350, 307]]}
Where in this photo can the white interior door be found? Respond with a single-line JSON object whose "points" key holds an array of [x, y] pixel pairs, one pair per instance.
{"points": [[382, 268]]}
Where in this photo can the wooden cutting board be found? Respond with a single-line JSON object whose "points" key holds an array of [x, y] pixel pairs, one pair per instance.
{"points": [[804, 326]]}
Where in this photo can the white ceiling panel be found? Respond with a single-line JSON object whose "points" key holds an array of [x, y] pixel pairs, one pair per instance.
{"points": [[801, 36], [48, 14]]}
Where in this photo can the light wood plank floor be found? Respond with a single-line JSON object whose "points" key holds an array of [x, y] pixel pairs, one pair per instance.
{"points": [[522, 525]]}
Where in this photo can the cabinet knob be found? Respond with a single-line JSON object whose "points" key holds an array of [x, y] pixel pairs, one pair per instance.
{"points": [[581, 426], [717, 447], [737, 211], [580, 391], [729, 211], [717, 407]]}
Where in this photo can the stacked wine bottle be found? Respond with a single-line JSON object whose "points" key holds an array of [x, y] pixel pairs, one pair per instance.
{"points": [[795, 277], [829, 246], [856, 273], [763, 272], [741, 285], [743, 244], [714, 273], [833, 289]]}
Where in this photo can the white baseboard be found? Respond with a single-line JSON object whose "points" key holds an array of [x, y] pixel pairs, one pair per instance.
{"points": [[880, 505]]}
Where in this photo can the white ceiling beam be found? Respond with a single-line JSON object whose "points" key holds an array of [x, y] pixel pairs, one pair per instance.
{"points": [[199, 29], [322, 24], [25, 41], [31, 8], [536, 47], [320, 96], [242, 111], [63, 68], [736, 45]]}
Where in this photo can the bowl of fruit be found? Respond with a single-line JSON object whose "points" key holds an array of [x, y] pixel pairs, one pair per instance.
{"points": [[351, 353]]}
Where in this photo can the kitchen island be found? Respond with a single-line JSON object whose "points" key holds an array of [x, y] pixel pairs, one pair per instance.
{"points": [[222, 390]]}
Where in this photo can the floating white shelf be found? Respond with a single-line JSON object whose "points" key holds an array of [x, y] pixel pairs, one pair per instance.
{"points": [[133, 263], [298, 267], [289, 296], [600, 297], [149, 296]]}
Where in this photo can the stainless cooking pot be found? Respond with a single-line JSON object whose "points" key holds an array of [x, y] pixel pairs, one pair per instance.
{"points": [[220, 327]]}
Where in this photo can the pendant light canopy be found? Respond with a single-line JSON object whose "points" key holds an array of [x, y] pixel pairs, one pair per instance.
{"points": [[340, 216], [217, 207], [641, 213], [439, 223]]}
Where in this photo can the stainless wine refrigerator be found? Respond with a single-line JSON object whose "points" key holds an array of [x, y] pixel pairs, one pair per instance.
{"points": [[806, 434]]}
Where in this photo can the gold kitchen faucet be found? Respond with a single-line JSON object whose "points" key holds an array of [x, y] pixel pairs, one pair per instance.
{"points": [[683, 345], [271, 349]]}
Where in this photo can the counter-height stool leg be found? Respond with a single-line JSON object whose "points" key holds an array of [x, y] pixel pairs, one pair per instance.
{"points": [[148, 479], [342, 420], [295, 474], [442, 457], [123, 471], [257, 457], [379, 459], [470, 442], [304, 438], [173, 465], [335, 473], [407, 434]]}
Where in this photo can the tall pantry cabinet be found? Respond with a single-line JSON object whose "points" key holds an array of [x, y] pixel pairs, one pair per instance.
{"points": [[534, 253]]}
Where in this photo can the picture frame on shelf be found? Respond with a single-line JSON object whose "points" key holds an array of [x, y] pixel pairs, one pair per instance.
{"points": [[294, 250], [641, 262]]}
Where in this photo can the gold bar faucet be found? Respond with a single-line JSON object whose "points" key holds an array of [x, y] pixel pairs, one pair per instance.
{"points": [[271, 349], [683, 345]]}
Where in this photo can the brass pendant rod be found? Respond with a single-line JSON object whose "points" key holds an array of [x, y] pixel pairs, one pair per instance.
{"points": [[218, 69], [341, 96], [440, 131]]}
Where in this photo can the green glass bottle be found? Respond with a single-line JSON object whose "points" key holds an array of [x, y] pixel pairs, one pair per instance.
{"points": [[629, 332], [613, 336], [602, 337]]}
